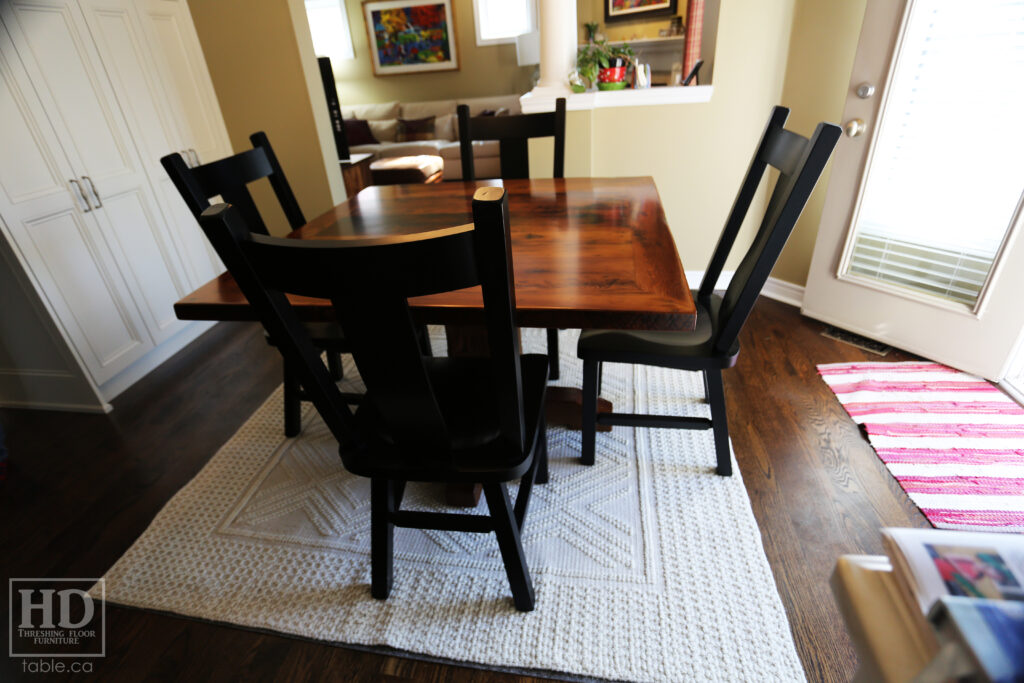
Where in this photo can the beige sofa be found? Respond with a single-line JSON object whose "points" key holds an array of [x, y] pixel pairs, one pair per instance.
{"points": [[383, 122]]}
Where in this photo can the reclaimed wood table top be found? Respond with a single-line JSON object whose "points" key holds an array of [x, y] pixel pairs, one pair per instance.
{"points": [[588, 253]]}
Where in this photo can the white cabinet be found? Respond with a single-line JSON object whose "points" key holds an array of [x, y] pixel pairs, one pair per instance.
{"points": [[87, 108]]}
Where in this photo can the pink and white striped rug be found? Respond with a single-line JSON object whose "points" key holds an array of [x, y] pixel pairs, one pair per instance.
{"points": [[954, 442]]}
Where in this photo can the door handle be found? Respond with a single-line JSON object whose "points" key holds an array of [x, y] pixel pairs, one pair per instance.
{"points": [[81, 193], [99, 202], [855, 127], [195, 157]]}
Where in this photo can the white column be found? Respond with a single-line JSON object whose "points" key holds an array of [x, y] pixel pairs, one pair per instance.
{"points": [[558, 37]]}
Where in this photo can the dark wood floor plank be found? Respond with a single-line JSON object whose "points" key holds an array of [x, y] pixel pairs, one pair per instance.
{"points": [[84, 487]]}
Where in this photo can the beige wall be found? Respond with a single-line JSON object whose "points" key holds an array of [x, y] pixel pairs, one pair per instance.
{"points": [[821, 53], [487, 70], [254, 59]]}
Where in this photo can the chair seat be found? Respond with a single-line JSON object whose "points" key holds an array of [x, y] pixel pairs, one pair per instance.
{"points": [[671, 349], [466, 398]]}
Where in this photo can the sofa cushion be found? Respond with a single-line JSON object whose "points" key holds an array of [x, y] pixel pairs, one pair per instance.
{"points": [[372, 112], [479, 104], [446, 127], [410, 130], [384, 131], [481, 148], [402, 149], [357, 132], [419, 110], [364, 149]]}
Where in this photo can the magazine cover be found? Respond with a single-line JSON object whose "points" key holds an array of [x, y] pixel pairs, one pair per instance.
{"points": [[960, 563]]}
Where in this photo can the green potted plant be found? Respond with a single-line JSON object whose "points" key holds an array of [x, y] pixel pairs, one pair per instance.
{"points": [[604, 65]]}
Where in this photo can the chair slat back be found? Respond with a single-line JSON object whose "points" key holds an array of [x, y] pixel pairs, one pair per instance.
{"points": [[512, 132], [229, 178], [800, 162], [369, 281], [227, 231]]}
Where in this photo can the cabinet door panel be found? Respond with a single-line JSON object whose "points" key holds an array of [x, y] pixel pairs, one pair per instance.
{"points": [[79, 71], [203, 263], [43, 218], [135, 231], [72, 85], [25, 171], [84, 288], [185, 76]]}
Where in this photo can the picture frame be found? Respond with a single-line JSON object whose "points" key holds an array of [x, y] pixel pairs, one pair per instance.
{"points": [[411, 36], [625, 10]]}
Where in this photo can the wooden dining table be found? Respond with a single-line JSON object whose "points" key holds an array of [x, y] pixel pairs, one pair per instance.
{"points": [[588, 253]]}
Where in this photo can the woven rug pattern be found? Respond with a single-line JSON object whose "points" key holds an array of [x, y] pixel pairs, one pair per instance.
{"points": [[647, 566], [953, 441]]}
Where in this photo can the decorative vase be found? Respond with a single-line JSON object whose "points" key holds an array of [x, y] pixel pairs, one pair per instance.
{"points": [[613, 77], [576, 83]]}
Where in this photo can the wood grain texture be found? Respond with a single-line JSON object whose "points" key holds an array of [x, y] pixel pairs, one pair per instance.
{"points": [[82, 488], [588, 253]]}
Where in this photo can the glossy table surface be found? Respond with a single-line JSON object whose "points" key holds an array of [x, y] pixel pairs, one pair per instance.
{"points": [[589, 253]]}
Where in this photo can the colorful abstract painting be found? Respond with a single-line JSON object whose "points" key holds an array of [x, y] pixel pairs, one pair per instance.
{"points": [[407, 36]]}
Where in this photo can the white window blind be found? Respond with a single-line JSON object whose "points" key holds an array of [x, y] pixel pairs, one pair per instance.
{"points": [[328, 26], [500, 21], [947, 172]]}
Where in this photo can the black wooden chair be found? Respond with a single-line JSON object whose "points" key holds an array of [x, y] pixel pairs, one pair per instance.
{"points": [[229, 178], [692, 77], [714, 344], [423, 418], [513, 134]]}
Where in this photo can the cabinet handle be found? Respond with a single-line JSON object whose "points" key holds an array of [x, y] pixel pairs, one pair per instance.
{"points": [[99, 202], [81, 193], [195, 156]]}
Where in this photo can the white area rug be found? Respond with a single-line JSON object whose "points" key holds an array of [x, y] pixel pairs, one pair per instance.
{"points": [[647, 566]]}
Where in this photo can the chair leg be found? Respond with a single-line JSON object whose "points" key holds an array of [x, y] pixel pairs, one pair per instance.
{"points": [[399, 488], [600, 376], [292, 403], [523, 496], [588, 421], [719, 421], [334, 366], [542, 453], [511, 546], [382, 537], [704, 376], [424, 336], [553, 352]]}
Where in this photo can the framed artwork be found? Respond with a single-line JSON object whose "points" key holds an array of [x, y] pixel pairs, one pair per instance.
{"points": [[621, 10], [410, 36]]}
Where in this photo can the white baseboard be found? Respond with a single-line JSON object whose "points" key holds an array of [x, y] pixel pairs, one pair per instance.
{"points": [[783, 291], [780, 290], [140, 368], [62, 407]]}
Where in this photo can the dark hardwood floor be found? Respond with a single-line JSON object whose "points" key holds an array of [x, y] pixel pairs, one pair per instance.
{"points": [[83, 487]]}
